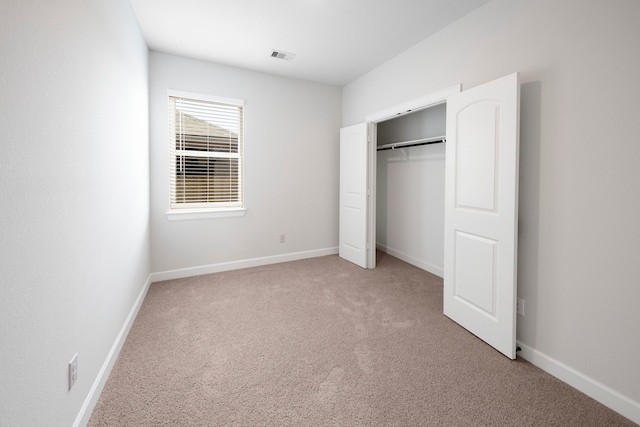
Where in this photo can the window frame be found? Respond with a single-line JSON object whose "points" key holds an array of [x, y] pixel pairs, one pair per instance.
{"points": [[204, 211]]}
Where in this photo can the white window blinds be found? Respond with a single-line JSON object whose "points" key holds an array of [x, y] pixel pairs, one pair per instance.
{"points": [[205, 153]]}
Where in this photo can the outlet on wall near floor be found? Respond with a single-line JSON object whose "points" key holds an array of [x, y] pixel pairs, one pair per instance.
{"points": [[73, 371], [283, 238], [520, 306]]}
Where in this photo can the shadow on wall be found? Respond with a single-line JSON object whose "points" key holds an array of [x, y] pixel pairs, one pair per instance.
{"points": [[529, 207]]}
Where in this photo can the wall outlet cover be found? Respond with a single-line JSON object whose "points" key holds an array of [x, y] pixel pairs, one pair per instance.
{"points": [[73, 371]]}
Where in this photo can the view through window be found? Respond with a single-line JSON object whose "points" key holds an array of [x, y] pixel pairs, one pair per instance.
{"points": [[205, 153]]}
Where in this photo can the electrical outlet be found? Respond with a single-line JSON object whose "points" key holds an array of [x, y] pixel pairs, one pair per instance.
{"points": [[283, 238], [73, 371], [520, 306]]}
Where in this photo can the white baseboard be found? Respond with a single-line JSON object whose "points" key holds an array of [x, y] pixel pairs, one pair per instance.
{"points": [[236, 265], [438, 271], [96, 389], [592, 388]]}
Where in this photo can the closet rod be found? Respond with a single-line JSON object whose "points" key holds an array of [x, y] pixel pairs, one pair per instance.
{"points": [[414, 143]]}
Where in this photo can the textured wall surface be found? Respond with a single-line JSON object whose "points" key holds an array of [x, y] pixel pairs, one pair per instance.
{"points": [[74, 191]]}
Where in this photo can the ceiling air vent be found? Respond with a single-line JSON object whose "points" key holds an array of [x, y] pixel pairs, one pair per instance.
{"points": [[282, 55]]}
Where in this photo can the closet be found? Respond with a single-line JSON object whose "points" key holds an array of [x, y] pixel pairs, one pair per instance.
{"points": [[450, 208], [410, 164]]}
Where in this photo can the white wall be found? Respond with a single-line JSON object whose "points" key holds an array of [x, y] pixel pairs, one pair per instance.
{"points": [[579, 176], [74, 245], [291, 131]]}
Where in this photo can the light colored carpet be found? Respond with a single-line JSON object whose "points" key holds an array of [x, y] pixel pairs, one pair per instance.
{"points": [[321, 342]]}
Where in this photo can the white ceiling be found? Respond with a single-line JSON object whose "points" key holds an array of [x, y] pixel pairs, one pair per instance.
{"points": [[335, 41]]}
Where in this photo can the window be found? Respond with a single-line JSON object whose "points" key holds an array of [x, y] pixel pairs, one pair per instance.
{"points": [[205, 155]]}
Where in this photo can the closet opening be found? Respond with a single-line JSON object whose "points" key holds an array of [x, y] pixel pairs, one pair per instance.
{"points": [[406, 182], [452, 211], [410, 171]]}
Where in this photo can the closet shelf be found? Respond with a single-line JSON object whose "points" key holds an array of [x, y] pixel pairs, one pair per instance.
{"points": [[413, 143]]}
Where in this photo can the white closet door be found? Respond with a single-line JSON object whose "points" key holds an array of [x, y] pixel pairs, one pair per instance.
{"points": [[481, 211], [353, 194]]}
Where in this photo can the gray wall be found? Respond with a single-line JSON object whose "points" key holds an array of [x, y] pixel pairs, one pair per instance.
{"points": [[291, 131], [579, 179], [74, 191]]}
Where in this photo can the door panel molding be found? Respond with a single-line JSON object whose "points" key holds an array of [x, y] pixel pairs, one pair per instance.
{"points": [[481, 211], [352, 240]]}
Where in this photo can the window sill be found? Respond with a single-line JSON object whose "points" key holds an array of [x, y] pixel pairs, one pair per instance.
{"points": [[188, 214]]}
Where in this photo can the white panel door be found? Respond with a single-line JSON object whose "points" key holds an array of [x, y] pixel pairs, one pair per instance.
{"points": [[481, 211], [353, 194]]}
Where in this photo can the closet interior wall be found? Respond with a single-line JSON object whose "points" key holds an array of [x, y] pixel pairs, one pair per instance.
{"points": [[410, 189]]}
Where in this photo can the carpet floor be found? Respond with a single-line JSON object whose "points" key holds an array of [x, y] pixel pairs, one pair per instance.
{"points": [[322, 342]]}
